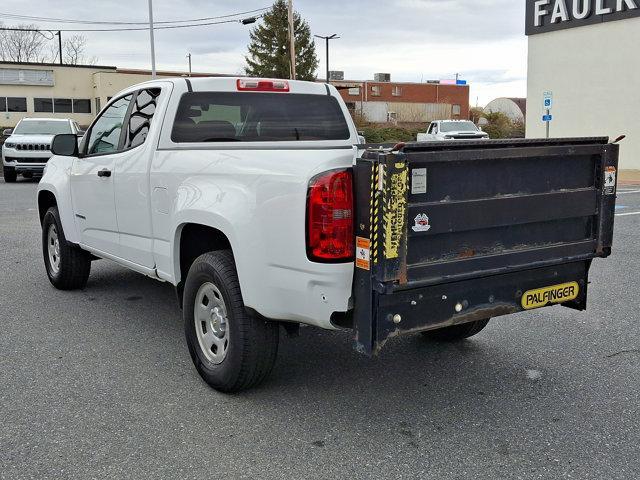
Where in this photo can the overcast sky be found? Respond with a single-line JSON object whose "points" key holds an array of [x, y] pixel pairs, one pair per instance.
{"points": [[414, 40]]}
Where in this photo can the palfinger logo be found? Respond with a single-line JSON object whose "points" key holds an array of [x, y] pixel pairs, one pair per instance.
{"points": [[550, 295]]}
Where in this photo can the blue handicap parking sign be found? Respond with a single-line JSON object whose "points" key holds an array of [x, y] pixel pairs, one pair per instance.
{"points": [[547, 118]]}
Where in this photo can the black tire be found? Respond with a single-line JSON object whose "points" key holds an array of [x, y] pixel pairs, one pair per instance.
{"points": [[456, 332], [74, 264], [251, 344], [10, 175]]}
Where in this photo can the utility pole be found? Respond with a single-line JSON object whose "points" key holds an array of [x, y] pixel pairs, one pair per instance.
{"points": [[292, 40], [153, 46], [59, 34], [326, 39], [189, 57]]}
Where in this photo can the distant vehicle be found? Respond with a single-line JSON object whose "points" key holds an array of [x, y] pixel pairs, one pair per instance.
{"points": [[28, 148], [452, 130]]}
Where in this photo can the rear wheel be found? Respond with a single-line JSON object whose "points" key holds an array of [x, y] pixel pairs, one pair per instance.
{"points": [[231, 349], [68, 266], [456, 332], [10, 174]]}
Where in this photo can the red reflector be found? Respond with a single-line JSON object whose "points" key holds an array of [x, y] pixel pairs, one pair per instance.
{"points": [[252, 85], [330, 235]]}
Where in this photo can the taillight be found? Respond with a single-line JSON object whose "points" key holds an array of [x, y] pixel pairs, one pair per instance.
{"points": [[252, 85], [330, 236]]}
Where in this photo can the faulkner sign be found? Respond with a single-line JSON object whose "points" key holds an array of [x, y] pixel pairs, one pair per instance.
{"points": [[549, 15]]}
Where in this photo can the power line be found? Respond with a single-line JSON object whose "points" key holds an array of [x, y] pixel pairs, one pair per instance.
{"points": [[99, 22], [128, 29]]}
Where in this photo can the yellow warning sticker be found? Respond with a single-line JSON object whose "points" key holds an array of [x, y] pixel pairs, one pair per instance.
{"points": [[395, 212], [363, 253], [550, 295]]}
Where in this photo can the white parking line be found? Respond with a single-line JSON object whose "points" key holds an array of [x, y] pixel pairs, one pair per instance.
{"points": [[627, 192], [627, 214]]}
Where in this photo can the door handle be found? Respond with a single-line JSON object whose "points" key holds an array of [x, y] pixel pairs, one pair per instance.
{"points": [[104, 173]]}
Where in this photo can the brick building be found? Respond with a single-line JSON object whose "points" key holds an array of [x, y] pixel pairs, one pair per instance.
{"points": [[377, 101]]}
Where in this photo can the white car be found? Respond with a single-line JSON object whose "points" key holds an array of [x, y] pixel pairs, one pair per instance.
{"points": [[28, 146], [447, 130]]}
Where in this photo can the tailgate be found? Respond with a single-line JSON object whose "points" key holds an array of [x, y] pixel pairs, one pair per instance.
{"points": [[461, 222]]}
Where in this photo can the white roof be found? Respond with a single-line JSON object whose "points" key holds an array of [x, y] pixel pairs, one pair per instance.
{"points": [[229, 84], [30, 119]]}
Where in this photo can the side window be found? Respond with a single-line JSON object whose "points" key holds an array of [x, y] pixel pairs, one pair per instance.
{"points": [[141, 117], [105, 132], [431, 129]]}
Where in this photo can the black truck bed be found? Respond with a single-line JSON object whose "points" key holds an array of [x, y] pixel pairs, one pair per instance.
{"points": [[477, 225]]}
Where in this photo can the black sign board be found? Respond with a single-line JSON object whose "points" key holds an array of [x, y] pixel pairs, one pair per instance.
{"points": [[550, 15]]}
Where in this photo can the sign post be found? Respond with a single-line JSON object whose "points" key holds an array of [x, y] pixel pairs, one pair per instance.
{"points": [[548, 105]]}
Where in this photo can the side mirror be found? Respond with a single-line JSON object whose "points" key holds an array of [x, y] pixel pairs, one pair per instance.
{"points": [[7, 132], [65, 144]]}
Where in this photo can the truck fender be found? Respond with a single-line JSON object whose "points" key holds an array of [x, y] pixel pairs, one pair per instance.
{"points": [[200, 218], [55, 182]]}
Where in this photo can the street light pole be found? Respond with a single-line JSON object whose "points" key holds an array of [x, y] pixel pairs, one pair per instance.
{"points": [[153, 46], [292, 40], [326, 39], [59, 34], [189, 57]]}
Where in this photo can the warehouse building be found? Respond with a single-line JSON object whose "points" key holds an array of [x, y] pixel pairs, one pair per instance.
{"points": [[80, 91], [583, 57], [63, 91], [382, 100]]}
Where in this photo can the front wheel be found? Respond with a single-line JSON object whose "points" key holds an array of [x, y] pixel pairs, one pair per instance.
{"points": [[67, 266], [10, 175], [231, 349], [456, 332]]}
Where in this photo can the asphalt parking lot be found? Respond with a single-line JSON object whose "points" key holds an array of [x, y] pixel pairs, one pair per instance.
{"points": [[99, 384]]}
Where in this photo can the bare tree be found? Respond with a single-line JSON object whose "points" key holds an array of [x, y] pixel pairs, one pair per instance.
{"points": [[73, 51], [23, 45]]}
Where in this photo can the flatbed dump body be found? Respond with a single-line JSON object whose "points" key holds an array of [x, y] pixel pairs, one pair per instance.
{"points": [[451, 232]]}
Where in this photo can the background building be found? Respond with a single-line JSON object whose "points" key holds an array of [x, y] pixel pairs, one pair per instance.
{"points": [[592, 67], [69, 91], [80, 91], [514, 108], [382, 100]]}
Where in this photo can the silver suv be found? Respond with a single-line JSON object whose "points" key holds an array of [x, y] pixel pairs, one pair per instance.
{"points": [[28, 146]]}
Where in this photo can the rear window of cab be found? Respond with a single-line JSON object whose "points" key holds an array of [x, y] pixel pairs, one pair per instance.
{"points": [[258, 117]]}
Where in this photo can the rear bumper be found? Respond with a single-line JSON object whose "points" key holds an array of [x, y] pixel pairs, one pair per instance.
{"points": [[428, 308]]}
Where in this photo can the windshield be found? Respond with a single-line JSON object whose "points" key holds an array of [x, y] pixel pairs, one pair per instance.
{"points": [[42, 127], [458, 127], [258, 117]]}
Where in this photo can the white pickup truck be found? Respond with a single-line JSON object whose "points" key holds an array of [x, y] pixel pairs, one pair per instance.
{"points": [[448, 130], [254, 199], [204, 183]]}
